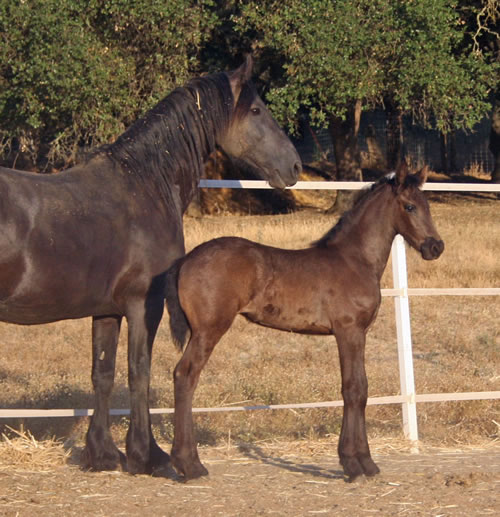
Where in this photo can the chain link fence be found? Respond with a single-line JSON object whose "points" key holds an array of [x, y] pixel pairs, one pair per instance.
{"points": [[454, 153]]}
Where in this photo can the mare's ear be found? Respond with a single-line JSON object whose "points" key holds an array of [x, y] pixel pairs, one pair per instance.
{"points": [[401, 173], [422, 174], [240, 76]]}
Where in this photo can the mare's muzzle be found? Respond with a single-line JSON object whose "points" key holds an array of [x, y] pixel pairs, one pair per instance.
{"points": [[281, 180], [432, 248]]}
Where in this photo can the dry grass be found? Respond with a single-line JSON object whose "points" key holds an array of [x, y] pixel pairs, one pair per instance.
{"points": [[22, 451], [455, 349]]}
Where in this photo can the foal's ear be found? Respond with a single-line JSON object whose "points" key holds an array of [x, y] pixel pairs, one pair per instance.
{"points": [[401, 173], [422, 174], [240, 76]]}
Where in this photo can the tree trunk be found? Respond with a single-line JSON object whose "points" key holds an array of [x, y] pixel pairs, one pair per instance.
{"points": [[444, 153], [344, 135], [495, 139], [394, 129]]}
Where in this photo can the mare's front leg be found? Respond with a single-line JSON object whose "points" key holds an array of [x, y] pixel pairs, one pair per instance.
{"points": [[100, 452], [143, 453], [353, 449]]}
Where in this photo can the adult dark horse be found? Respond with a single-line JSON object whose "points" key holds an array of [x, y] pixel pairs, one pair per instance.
{"points": [[97, 239], [332, 287]]}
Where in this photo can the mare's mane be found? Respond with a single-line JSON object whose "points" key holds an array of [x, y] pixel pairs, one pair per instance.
{"points": [[167, 146]]}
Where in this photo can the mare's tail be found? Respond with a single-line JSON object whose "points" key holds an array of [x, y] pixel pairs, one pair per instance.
{"points": [[179, 326]]}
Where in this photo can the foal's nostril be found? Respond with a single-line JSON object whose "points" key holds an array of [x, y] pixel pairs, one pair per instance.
{"points": [[297, 169], [437, 248], [431, 248]]}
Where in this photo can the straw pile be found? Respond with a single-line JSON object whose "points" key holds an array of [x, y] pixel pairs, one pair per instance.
{"points": [[22, 450]]}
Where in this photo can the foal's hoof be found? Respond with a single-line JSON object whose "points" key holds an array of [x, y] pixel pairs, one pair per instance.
{"points": [[370, 468], [356, 466], [187, 471], [352, 468]]}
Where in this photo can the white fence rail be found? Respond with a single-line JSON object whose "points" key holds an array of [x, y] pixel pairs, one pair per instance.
{"points": [[347, 185], [408, 398]]}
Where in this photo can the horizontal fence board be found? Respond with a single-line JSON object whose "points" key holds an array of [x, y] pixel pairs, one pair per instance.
{"points": [[372, 401], [346, 185], [446, 291]]}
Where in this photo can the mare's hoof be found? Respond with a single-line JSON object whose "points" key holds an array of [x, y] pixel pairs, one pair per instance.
{"points": [[158, 461], [105, 460]]}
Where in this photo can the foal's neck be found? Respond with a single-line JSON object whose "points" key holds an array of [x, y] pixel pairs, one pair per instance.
{"points": [[370, 231]]}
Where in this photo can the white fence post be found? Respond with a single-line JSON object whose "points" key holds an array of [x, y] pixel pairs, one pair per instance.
{"points": [[404, 339]]}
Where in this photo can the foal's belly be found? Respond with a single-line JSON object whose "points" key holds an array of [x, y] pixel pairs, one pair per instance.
{"points": [[313, 304], [292, 324], [293, 314]]}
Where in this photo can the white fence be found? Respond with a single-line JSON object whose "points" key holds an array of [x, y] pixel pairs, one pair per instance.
{"points": [[408, 398]]}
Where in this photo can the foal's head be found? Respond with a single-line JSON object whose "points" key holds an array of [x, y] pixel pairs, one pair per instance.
{"points": [[253, 138], [412, 215]]}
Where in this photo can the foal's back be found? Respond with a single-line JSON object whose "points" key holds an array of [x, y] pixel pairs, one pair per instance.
{"points": [[297, 290]]}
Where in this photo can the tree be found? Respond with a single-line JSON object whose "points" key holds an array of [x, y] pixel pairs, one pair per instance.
{"points": [[481, 19], [75, 73], [346, 56]]}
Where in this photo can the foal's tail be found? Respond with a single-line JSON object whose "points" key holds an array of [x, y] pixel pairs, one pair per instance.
{"points": [[179, 326]]}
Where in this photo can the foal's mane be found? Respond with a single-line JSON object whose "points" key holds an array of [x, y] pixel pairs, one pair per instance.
{"points": [[169, 144], [411, 181], [347, 217]]}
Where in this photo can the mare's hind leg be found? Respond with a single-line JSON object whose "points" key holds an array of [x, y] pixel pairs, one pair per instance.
{"points": [[100, 452], [184, 455], [353, 449]]}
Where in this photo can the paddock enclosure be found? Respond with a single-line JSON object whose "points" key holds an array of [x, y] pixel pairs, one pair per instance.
{"points": [[455, 349], [454, 335]]}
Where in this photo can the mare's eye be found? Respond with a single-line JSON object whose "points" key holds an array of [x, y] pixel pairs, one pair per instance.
{"points": [[255, 111], [410, 208]]}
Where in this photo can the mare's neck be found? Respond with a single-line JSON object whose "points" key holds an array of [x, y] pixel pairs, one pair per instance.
{"points": [[165, 151], [370, 231]]}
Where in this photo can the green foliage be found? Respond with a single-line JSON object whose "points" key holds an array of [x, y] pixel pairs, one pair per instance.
{"points": [[76, 72], [371, 50]]}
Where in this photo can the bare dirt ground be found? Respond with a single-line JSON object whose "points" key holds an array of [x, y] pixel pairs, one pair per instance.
{"points": [[268, 479]]}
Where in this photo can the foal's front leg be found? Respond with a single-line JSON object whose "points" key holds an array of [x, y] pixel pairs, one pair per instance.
{"points": [[100, 452], [353, 449]]}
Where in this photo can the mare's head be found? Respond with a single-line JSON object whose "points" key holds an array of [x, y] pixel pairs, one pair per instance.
{"points": [[253, 138], [412, 217]]}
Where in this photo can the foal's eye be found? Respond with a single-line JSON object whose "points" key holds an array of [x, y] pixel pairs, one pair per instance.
{"points": [[410, 208], [255, 111]]}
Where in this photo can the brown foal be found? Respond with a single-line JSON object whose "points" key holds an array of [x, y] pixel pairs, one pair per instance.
{"points": [[333, 287]]}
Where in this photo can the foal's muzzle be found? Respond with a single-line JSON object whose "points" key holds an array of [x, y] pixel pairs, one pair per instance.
{"points": [[431, 249]]}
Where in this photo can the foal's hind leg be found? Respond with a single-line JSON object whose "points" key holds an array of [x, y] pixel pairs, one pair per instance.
{"points": [[354, 451], [100, 452], [184, 455]]}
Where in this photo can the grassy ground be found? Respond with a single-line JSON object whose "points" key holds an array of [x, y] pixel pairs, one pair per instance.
{"points": [[456, 348]]}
